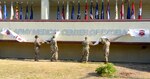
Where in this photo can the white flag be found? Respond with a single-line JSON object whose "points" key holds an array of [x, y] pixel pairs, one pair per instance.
{"points": [[96, 42], [116, 17], [1, 12], [12, 12], [139, 32], [57, 34], [12, 34]]}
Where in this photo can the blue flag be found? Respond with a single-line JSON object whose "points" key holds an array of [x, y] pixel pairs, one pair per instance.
{"points": [[128, 11], [27, 12], [96, 11], [31, 13], [21, 13], [78, 15], [58, 12], [72, 12], [5, 12], [102, 10]]}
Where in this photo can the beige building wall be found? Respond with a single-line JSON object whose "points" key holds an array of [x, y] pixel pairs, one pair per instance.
{"points": [[138, 53]]}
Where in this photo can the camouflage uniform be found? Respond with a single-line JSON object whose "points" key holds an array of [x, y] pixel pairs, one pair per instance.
{"points": [[36, 48], [54, 49], [106, 46], [85, 50]]}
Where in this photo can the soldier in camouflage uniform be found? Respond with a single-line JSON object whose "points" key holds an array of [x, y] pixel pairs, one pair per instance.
{"points": [[36, 47], [106, 46], [85, 51], [54, 49]]}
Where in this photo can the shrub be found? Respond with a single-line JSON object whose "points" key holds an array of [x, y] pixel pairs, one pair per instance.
{"points": [[106, 70]]}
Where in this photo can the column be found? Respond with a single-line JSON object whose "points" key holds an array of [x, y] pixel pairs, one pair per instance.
{"points": [[67, 11], [44, 9]]}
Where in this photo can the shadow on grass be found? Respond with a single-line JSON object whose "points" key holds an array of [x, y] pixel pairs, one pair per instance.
{"points": [[92, 74], [135, 66]]}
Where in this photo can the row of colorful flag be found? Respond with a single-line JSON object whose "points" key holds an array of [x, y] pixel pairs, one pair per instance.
{"points": [[15, 13], [130, 13]]}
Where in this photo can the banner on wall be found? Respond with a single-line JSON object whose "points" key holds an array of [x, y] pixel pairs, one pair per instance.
{"points": [[139, 32], [11, 34]]}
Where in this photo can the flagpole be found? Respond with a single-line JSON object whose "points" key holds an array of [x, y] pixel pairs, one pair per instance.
{"points": [[108, 10], [122, 10], [78, 15], [1, 15], [21, 11], [86, 11], [72, 12], [133, 11], [140, 10], [91, 10], [96, 11], [128, 11], [5, 11], [58, 11], [31, 12], [63, 12], [102, 10]]}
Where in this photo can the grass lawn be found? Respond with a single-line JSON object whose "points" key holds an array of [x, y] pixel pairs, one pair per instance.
{"points": [[44, 69]]}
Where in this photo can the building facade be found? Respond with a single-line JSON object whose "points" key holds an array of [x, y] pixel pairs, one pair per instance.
{"points": [[45, 24]]}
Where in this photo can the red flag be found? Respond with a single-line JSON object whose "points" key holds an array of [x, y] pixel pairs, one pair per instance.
{"points": [[133, 11], [86, 11], [140, 10], [122, 10]]}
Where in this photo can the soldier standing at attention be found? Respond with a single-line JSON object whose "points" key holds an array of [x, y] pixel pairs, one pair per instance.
{"points": [[36, 47], [85, 51], [54, 49]]}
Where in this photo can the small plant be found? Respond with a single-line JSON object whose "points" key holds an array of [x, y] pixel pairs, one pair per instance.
{"points": [[106, 70]]}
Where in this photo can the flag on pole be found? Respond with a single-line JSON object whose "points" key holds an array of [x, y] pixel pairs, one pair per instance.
{"points": [[78, 15], [17, 12], [12, 34], [1, 15], [91, 10], [108, 11], [139, 32], [86, 11], [72, 12], [5, 11], [122, 10], [102, 10], [140, 10], [27, 12], [12, 12], [63, 12], [128, 11], [67, 11], [58, 11], [31, 12], [96, 11], [116, 8], [133, 11], [21, 12]]}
